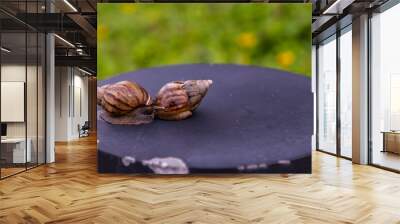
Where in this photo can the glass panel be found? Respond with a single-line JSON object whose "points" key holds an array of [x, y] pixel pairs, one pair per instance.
{"points": [[23, 89], [327, 96], [346, 93], [385, 81], [13, 86], [32, 87], [31, 98]]}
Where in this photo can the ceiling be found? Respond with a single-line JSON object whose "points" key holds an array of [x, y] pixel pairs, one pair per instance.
{"points": [[74, 22], [332, 15]]}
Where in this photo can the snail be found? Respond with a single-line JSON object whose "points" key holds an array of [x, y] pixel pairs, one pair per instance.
{"points": [[178, 99], [100, 93], [125, 102]]}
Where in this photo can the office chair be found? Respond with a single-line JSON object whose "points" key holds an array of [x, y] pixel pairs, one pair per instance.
{"points": [[84, 130]]}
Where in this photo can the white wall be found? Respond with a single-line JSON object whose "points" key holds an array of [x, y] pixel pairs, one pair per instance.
{"points": [[62, 81], [80, 110], [71, 94], [13, 101], [14, 72]]}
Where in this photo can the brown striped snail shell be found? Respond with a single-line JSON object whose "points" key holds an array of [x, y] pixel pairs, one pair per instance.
{"points": [[125, 102], [100, 93], [178, 99], [124, 97]]}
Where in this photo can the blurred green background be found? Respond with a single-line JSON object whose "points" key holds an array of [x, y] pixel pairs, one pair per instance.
{"points": [[134, 36]]}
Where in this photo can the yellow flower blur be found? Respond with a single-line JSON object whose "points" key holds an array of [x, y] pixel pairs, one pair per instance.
{"points": [[244, 59], [285, 58], [128, 8], [247, 40], [102, 32]]}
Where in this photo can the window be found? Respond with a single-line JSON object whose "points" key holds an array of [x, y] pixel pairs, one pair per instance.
{"points": [[385, 89], [346, 92], [327, 95]]}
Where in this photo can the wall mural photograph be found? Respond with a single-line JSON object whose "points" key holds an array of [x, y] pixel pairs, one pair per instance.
{"points": [[204, 88]]}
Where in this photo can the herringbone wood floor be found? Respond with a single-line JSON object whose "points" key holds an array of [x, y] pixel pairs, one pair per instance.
{"points": [[71, 191]]}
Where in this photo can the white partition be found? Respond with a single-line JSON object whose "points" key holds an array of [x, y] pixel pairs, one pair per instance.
{"points": [[12, 101]]}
